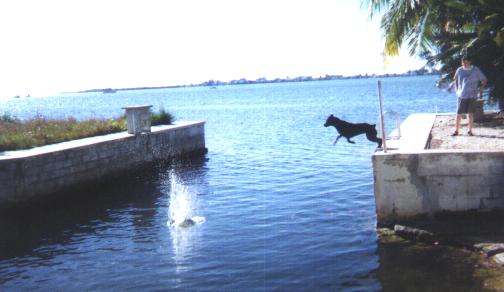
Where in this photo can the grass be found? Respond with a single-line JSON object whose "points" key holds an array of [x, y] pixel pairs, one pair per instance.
{"points": [[38, 131]]}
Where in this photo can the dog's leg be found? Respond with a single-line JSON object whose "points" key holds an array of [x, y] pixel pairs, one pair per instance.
{"points": [[373, 136], [350, 141], [377, 140], [336, 141]]}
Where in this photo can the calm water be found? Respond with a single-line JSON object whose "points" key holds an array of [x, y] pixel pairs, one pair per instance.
{"points": [[282, 208]]}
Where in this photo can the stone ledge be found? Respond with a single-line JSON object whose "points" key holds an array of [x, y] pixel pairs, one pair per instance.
{"points": [[89, 141], [53, 168]]}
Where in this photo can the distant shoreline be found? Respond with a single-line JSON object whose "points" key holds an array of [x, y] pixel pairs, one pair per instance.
{"points": [[212, 83]]}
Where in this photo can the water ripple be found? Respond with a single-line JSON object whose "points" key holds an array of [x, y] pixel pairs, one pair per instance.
{"points": [[284, 208]]}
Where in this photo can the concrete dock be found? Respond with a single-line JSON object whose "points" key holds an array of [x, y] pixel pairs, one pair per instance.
{"points": [[427, 171]]}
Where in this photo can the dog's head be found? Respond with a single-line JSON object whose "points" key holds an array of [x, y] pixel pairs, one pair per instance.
{"points": [[331, 121]]}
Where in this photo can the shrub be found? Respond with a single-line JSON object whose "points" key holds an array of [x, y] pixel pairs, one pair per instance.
{"points": [[161, 118], [7, 118]]}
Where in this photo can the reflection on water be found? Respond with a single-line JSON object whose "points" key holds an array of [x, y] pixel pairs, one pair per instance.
{"points": [[182, 220], [285, 209], [25, 228]]}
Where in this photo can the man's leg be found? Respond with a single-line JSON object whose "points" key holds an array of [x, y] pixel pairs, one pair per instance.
{"points": [[457, 124], [460, 104], [470, 120], [471, 109]]}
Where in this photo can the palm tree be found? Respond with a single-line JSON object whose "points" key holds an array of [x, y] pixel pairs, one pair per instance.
{"points": [[441, 31]]}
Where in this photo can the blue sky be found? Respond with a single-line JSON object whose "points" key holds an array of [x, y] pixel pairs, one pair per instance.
{"points": [[59, 45]]}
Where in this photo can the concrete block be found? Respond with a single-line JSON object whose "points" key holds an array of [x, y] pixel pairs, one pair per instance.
{"points": [[103, 154], [77, 168], [465, 203], [59, 164], [6, 175], [492, 203], [67, 163], [446, 202], [7, 165], [138, 119], [32, 179], [456, 163]]}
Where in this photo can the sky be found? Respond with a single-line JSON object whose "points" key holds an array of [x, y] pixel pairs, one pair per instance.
{"points": [[53, 46]]}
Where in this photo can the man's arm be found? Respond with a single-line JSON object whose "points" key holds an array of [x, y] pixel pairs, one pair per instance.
{"points": [[456, 80]]}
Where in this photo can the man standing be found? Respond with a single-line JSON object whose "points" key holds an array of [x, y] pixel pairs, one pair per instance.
{"points": [[469, 84]]}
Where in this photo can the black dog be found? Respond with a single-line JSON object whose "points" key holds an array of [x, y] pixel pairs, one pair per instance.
{"points": [[349, 130]]}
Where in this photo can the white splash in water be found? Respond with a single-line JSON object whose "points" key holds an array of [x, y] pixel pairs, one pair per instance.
{"points": [[183, 204]]}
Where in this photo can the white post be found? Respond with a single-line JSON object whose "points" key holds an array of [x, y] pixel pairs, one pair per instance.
{"points": [[384, 140]]}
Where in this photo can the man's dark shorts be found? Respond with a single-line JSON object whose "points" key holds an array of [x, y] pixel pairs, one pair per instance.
{"points": [[466, 106]]}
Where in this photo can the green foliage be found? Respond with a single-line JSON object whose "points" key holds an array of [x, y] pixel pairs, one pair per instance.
{"points": [[162, 118], [441, 31], [38, 131], [7, 118]]}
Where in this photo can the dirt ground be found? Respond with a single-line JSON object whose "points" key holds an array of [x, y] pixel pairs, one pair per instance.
{"points": [[488, 134]]}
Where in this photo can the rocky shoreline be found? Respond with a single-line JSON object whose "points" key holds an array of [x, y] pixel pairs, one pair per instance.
{"points": [[477, 255]]}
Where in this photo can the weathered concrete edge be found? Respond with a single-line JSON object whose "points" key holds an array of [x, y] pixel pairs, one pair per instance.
{"points": [[90, 141], [410, 183], [80, 162], [415, 133]]}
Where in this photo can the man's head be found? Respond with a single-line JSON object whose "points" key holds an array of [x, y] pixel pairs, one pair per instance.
{"points": [[466, 61]]}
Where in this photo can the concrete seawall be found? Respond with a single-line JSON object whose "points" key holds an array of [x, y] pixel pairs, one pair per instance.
{"points": [[414, 184], [410, 180], [28, 174]]}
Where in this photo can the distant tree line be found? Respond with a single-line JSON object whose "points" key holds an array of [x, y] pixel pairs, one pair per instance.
{"points": [[215, 83], [421, 71], [442, 31]]}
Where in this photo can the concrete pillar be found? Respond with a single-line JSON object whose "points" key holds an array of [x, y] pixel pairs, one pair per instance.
{"points": [[138, 119]]}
